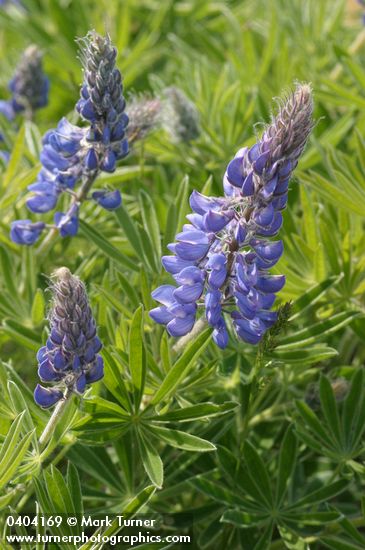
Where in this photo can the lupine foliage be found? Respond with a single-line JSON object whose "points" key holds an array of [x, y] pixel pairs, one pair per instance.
{"points": [[262, 445]]}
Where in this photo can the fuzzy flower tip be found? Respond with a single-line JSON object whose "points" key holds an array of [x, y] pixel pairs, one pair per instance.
{"points": [[180, 116], [144, 115], [222, 258], [70, 359], [73, 155]]}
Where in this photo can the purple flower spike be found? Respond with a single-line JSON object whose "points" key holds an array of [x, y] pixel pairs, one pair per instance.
{"points": [[75, 155], [70, 359], [221, 260]]}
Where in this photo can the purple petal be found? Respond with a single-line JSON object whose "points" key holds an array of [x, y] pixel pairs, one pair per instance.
{"points": [[190, 275], [41, 203], [235, 173], [47, 373], [248, 186], [81, 383], [217, 278], [273, 228], [189, 251], [270, 284], [174, 265], [96, 372], [260, 162], [220, 335], [164, 294], [264, 216], [216, 221], [188, 293], [110, 200], [91, 159], [180, 327], [269, 250], [46, 397], [161, 315], [201, 204]]}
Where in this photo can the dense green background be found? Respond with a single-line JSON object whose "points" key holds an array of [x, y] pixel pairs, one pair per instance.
{"points": [[231, 58]]}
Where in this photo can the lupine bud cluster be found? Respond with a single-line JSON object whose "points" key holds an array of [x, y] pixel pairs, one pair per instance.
{"points": [[144, 115], [180, 116], [69, 360], [74, 155], [222, 258], [29, 86]]}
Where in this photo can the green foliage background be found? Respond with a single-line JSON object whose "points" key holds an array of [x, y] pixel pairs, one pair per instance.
{"points": [[264, 448]]}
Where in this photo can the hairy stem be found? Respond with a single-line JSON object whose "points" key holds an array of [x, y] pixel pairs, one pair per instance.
{"points": [[185, 340], [55, 418]]}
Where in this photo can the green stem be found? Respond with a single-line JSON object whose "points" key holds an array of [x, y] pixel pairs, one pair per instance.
{"points": [[55, 418], [185, 340]]}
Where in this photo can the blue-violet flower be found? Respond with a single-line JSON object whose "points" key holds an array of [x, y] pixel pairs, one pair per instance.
{"points": [[73, 154], [222, 258], [70, 359]]}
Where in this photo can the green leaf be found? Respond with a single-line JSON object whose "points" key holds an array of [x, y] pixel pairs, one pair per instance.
{"points": [[258, 472], [304, 356], [209, 486], [137, 360], [313, 422], [9, 464], [182, 440], [113, 380], [353, 404], [151, 460], [15, 159], [130, 230], [329, 408], [314, 294], [74, 487], [244, 519], [150, 222], [204, 410], [109, 250], [321, 495], [38, 308], [182, 365], [287, 460], [322, 329]]}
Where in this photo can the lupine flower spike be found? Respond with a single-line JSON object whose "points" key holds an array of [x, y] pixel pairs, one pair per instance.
{"points": [[180, 116], [222, 258], [70, 359], [144, 114], [29, 86], [74, 155]]}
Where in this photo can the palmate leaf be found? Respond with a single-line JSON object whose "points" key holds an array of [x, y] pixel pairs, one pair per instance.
{"points": [[339, 437]]}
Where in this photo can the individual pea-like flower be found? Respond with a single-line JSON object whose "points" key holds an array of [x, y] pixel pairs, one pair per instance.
{"points": [[73, 155], [70, 359], [222, 258], [144, 113], [180, 117]]}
